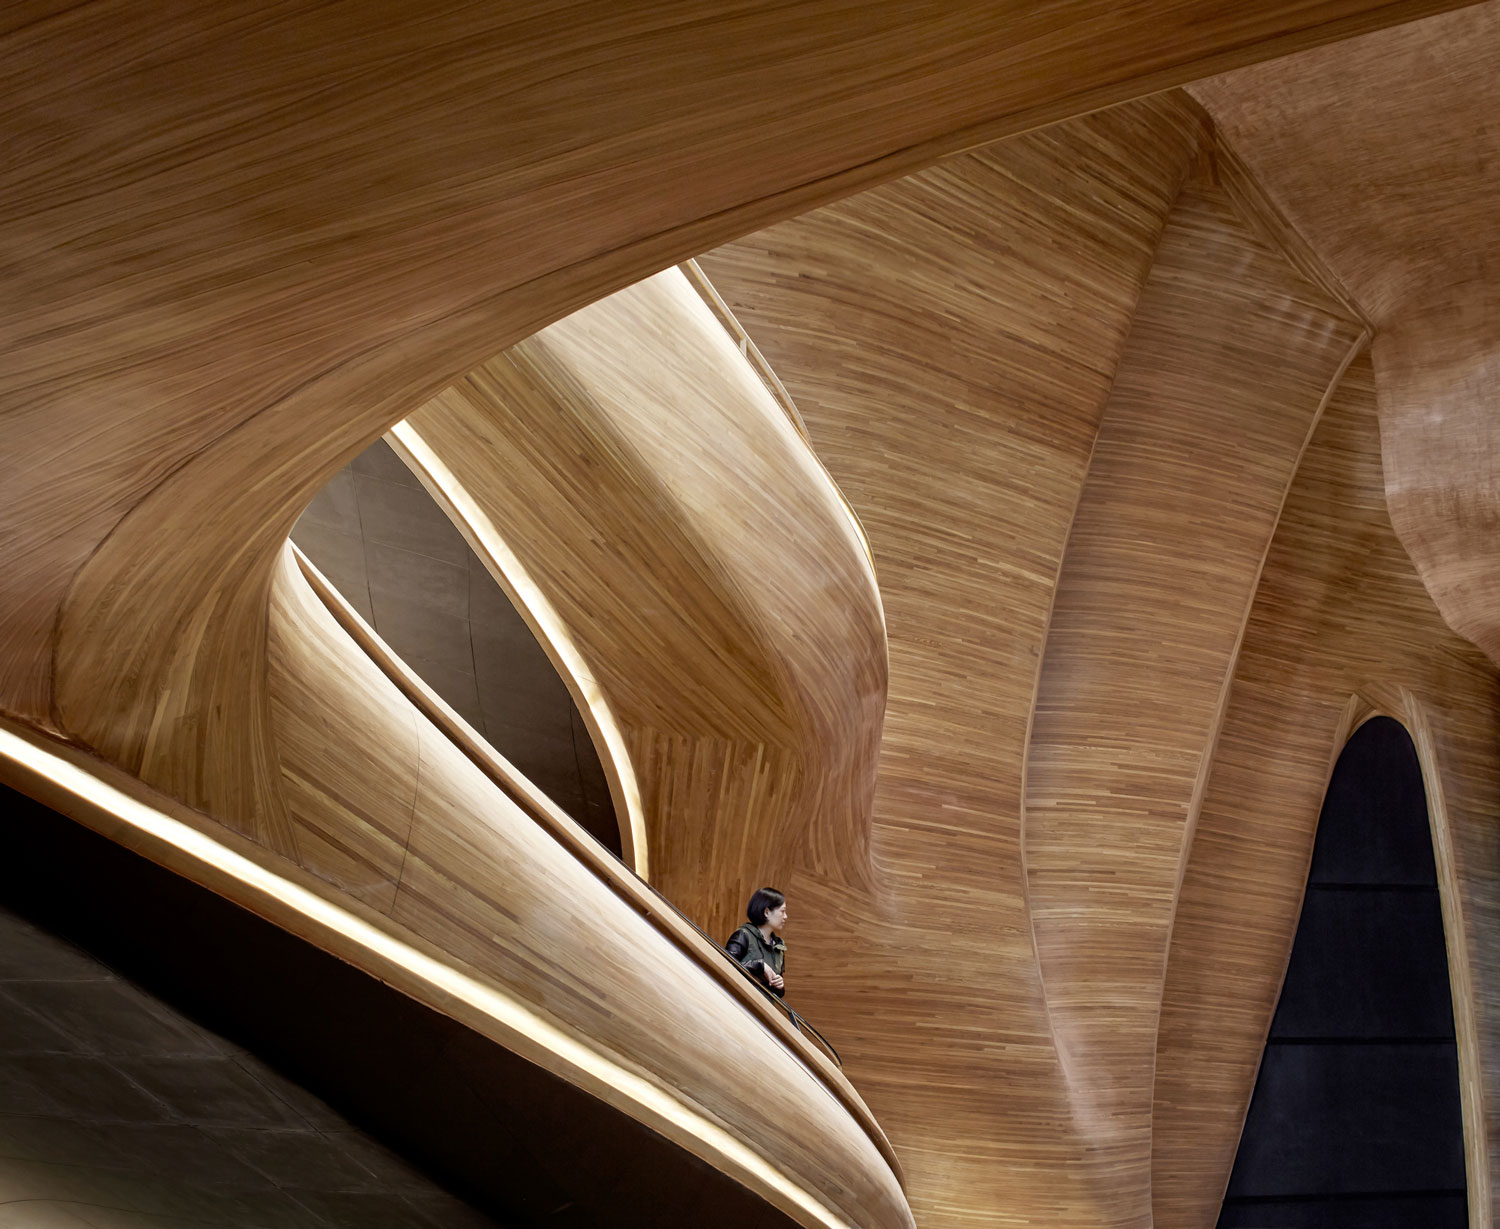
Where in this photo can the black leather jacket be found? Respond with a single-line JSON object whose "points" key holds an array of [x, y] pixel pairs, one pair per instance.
{"points": [[748, 948]]}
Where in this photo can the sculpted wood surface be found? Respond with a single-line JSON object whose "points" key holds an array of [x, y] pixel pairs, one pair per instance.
{"points": [[240, 244], [1383, 153], [519, 989], [1226, 368], [636, 466], [1341, 628], [952, 341], [585, 849], [461, 865]]}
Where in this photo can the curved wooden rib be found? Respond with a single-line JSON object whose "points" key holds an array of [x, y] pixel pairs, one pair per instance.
{"points": [[701, 562], [951, 340], [1229, 360], [1340, 613], [547, 628]]}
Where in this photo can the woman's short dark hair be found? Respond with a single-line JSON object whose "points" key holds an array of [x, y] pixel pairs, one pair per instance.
{"points": [[764, 900]]}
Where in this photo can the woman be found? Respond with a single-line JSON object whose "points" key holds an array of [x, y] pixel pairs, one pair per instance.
{"points": [[757, 946]]}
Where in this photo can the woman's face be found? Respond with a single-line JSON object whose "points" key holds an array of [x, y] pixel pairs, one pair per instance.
{"points": [[776, 918]]}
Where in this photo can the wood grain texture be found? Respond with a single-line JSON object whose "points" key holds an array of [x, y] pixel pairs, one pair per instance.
{"points": [[1229, 359], [1341, 628], [518, 992], [241, 244], [1383, 154], [653, 490], [1437, 373], [459, 864], [580, 846], [951, 341]]}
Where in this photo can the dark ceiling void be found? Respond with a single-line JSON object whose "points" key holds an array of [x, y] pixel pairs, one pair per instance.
{"points": [[394, 555], [1355, 1121], [159, 1040]]}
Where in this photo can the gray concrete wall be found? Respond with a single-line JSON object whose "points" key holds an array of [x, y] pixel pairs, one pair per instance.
{"points": [[392, 552]]}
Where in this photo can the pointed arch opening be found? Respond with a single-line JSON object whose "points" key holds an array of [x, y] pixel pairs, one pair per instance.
{"points": [[1356, 1117]]}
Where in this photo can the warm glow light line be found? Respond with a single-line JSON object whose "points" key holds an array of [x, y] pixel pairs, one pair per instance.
{"points": [[548, 623], [506, 1011]]}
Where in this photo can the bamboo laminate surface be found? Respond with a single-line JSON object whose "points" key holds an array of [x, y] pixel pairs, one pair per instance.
{"points": [[1341, 628], [1383, 153], [241, 244], [632, 461], [582, 847], [1229, 359], [453, 860], [951, 341]]}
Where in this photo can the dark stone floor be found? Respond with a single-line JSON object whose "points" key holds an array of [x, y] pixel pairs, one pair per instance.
{"points": [[118, 1112]]}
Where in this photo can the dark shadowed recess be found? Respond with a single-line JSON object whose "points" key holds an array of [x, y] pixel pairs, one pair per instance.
{"points": [[390, 550], [1355, 1122], [221, 1009]]}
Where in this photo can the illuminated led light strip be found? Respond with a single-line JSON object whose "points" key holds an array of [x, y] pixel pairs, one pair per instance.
{"points": [[716, 1143], [549, 624]]}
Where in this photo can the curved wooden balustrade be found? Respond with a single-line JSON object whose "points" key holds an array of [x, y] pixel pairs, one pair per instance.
{"points": [[418, 869], [589, 853]]}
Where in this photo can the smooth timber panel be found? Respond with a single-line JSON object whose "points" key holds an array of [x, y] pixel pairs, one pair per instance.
{"points": [[1437, 374], [1228, 362], [1341, 627], [703, 565], [951, 340]]}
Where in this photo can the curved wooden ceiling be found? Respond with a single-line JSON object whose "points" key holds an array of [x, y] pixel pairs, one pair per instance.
{"points": [[1383, 152], [1073, 810], [1067, 381]]}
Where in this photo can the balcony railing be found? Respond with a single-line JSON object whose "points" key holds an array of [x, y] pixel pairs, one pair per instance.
{"points": [[794, 1031]]}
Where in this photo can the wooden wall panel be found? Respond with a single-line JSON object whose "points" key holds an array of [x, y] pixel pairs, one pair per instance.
{"points": [[1437, 371], [1384, 155], [951, 341], [1341, 627], [703, 565], [1226, 368]]}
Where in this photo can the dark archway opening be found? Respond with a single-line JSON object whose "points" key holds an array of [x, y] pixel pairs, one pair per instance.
{"points": [[1355, 1122]]}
